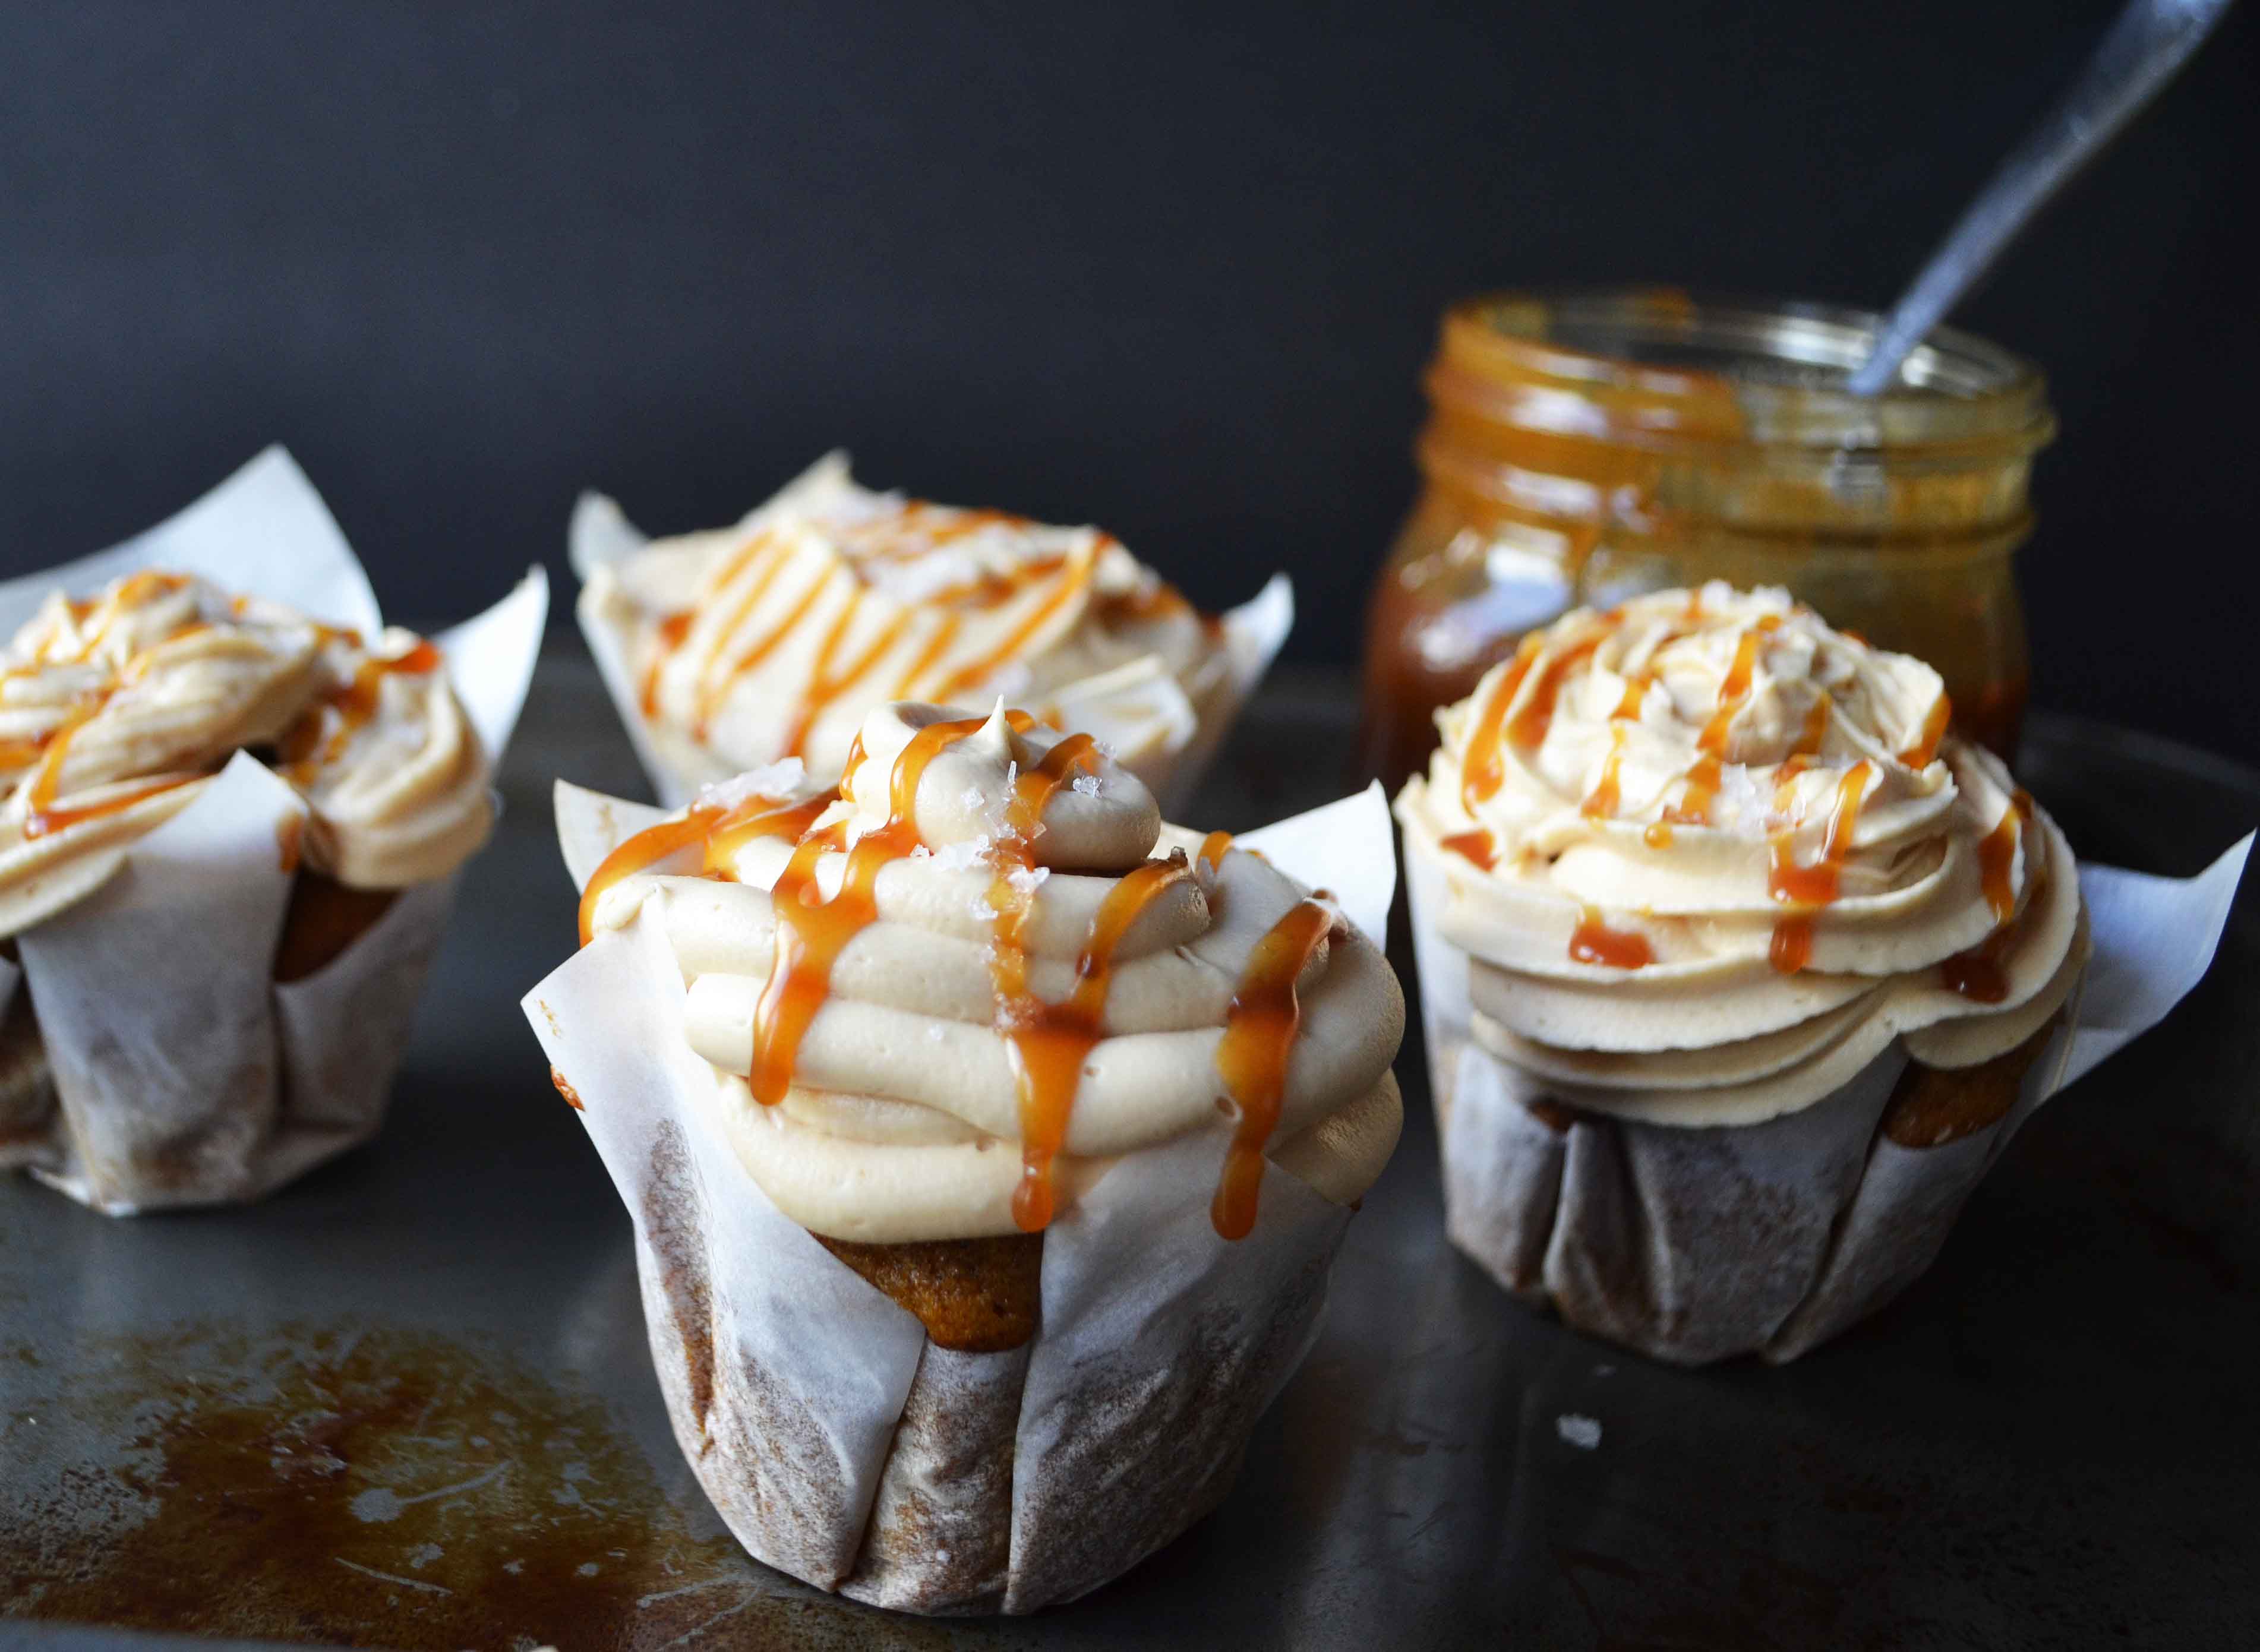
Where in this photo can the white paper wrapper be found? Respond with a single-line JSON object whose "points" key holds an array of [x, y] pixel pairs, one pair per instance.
{"points": [[841, 1445], [1696, 1244], [601, 536], [178, 1072]]}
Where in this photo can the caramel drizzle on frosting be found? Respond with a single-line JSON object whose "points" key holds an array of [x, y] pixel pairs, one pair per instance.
{"points": [[1049, 1042], [1976, 974], [1806, 889], [303, 751], [914, 529], [1259, 1034]]}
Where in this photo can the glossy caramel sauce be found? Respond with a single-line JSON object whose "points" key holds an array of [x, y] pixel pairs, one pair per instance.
{"points": [[1919, 756], [829, 681], [646, 848], [1476, 846], [1485, 770], [1214, 848], [1807, 888], [672, 630], [1601, 803], [1977, 973], [1259, 1033], [1074, 577], [1593, 941], [305, 751]]}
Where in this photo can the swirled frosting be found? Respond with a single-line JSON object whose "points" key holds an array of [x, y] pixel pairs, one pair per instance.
{"points": [[115, 710], [942, 998], [1709, 857], [774, 637]]}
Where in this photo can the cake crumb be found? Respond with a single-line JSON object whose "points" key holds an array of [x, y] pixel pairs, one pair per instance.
{"points": [[1584, 1433]]}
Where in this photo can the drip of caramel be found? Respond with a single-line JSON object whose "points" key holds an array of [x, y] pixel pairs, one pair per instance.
{"points": [[810, 931], [1475, 846], [1048, 1041], [1593, 941], [1530, 724], [1602, 804], [1259, 1033], [1807, 888], [1919, 756], [1214, 848], [1051, 1042], [1074, 575], [305, 753], [1977, 973], [827, 681], [646, 848], [758, 817], [1486, 769], [758, 650], [672, 630]]}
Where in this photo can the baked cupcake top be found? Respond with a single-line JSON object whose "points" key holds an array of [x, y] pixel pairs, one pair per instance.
{"points": [[115, 710], [1710, 856], [772, 638], [942, 996]]}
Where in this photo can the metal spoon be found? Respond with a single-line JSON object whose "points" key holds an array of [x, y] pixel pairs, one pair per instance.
{"points": [[2151, 39]]}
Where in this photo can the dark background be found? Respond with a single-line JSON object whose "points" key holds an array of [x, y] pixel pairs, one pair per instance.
{"points": [[1171, 269]]}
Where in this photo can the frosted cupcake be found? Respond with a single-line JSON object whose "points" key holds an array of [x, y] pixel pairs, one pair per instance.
{"points": [[987, 1142], [229, 833], [1739, 969], [771, 639]]}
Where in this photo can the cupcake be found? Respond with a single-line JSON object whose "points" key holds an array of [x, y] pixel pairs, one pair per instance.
{"points": [[1739, 969], [731, 650], [987, 1142], [229, 834]]}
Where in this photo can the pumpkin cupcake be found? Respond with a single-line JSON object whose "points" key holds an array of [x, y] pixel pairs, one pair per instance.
{"points": [[744, 646], [987, 1142], [229, 834], [1739, 969]]}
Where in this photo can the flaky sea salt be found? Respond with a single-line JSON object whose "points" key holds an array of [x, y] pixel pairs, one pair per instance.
{"points": [[1087, 784], [1584, 1433], [961, 855], [1027, 879], [782, 780]]}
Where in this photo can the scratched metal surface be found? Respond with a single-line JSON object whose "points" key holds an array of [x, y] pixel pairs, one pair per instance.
{"points": [[407, 1403]]}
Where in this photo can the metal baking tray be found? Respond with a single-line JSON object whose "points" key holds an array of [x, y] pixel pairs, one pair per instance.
{"points": [[407, 1402]]}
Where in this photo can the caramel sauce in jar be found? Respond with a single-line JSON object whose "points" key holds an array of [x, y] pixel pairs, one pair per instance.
{"points": [[1584, 448]]}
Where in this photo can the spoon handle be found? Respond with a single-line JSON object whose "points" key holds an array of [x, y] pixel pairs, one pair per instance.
{"points": [[2150, 40]]}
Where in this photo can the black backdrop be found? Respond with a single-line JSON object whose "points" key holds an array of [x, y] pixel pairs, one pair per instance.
{"points": [[1173, 269]]}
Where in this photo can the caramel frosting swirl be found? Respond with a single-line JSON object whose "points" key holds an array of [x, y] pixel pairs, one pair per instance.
{"points": [[982, 969], [114, 711], [1709, 857], [774, 637]]}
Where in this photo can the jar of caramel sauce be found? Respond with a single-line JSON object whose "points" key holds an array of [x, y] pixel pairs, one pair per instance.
{"points": [[1586, 447]]}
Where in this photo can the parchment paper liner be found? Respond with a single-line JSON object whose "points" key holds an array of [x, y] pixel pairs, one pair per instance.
{"points": [[601, 536], [1696, 1244], [840, 1444], [177, 1070]]}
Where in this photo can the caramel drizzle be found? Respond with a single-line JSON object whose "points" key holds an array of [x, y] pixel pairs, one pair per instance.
{"points": [[827, 682], [1925, 748], [1593, 941], [673, 628], [1486, 762], [936, 646], [811, 932], [1978, 975], [646, 849], [1048, 1042], [1602, 804], [718, 688], [305, 754], [1807, 888], [1476, 846], [1214, 848], [1075, 576], [1259, 1033]]}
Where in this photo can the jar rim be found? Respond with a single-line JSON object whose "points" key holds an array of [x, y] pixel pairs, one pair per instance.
{"points": [[1715, 370]]}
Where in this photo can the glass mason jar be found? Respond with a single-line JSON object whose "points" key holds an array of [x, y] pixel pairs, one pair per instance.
{"points": [[1584, 448]]}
